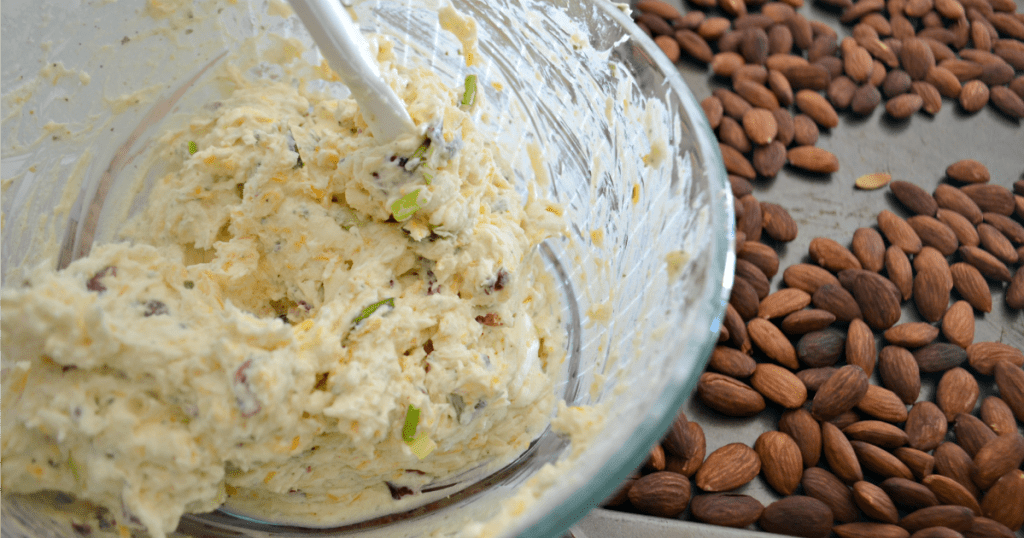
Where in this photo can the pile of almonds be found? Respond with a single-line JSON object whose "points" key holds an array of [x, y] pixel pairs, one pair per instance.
{"points": [[910, 53], [848, 456]]}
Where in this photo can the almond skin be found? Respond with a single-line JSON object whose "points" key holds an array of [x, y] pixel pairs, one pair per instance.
{"points": [[898, 232], [879, 461], [840, 393], [990, 197], [797, 515], [875, 503], [808, 277], [726, 509], [998, 457], [1010, 380], [781, 461], [911, 335], [1002, 502], [939, 357], [908, 494], [983, 356], [934, 233], [998, 416], [971, 285], [914, 198], [877, 433], [770, 339], [779, 385], [971, 433], [953, 199], [827, 488], [778, 223], [661, 494], [783, 302], [839, 453], [968, 171], [957, 392], [883, 404], [953, 461], [880, 308], [813, 159], [731, 362], [801, 426], [958, 518], [807, 320], [729, 396], [900, 373], [861, 349], [870, 530], [996, 243], [949, 491], [965, 232], [900, 272], [728, 468], [926, 426], [821, 348], [869, 248], [920, 463], [838, 301]]}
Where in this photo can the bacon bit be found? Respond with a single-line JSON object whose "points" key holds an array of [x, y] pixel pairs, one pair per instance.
{"points": [[432, 286], [247, 403], [68, 368], [491, 319], [81, 528], [397, 492], [428, 347], [95, 284], [499, 283], [156, 308], [416, 471]]}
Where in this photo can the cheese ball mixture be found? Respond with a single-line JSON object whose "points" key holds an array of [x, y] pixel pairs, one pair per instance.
{"points": [[303, 323]]}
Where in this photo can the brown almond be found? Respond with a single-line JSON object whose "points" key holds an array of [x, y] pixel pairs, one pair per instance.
{"points": [[760, 125], [777, 222], [920, 463], [865, 99], [974, 96], [953, 461], [931, 294], [662, 494], [899, 232], [748, 217], [778, 82], [861, 349], [754, 276], [669, 46], [911, 335], [971, 433], [899, 270], [807, 320], [957, 392], [917, 58], [659, 8], [971, 285], [869, 530], [1006, 225], [909, 494], [904, 106], [761, 255], [945, 81], [736, 163], [731, 133], [998, 416], [883, 404], [897, 82], [727, 468], [879, 461], [997, 244], [934, 233], [781, 461], [693, 45], [900, 373], [726, 509], [805, 131], [965, 232], [874, 502], [813, 159], [675, 441], [779, 385], [769, 339], [931, 259], [914, 198], [984, 527], [817, 107], [1002, 502], [986, 263], [998, 457], [876, 432], [783, 302], [655, 460], [878, 299], [1010, 380], [808, 277], [958, 518], [744, 298], [827, 488], [831, 255], [1015, 291], [799, 425], [835, 299], [949, 491], [797, 515], [737, 328], [958, 324], [968, 171], [926, 426], [839, 454], [990, 197], [802, 75], [983, 356], [729, 396], [845, 419], [731, 362], [931, 99], [954, 199], [840, 393], [840, 93], [821, 348], [1004, 99], [869, 248], [712, 110], [687, 463], [939, 357]]}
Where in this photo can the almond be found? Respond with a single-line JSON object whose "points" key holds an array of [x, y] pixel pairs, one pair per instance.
{"points": [[951, 460], [879, 461], [713, 109], [999, 456], [754, 276], [957, 392], [801, 426], [899, 232], [797, 515], [930, 258], [917, 58], [761, 255], [807, 320], [931, 98], [904, 106], [729, 396], [831, 255], [958, 324], [838, 301], [760, 125], [926, 426], [769, 339], [1006, 100], [817, 107], [984, 527], [987, 264], [726, 509], [934, 233], [914, 198], [998, 416], [827, 488], [676, 442], [997, 244], [1006, 225], [931, 294], [729, 467], [1015, 291], [983, 356], [801, 75], [1002, 502], [779, 385], [731, 362], [898, 267], [945, 81], [805, 131], [971, 285], [781, 461], [777, 222], [954, 199], [734, 323], [693, 45], [939, 357], [744, 298], [968, 171], [840, 393], [865, 99], [878, 302], [736, 163], [971, 433], [874, 502], [839, 453], [695, 448], [974, 95], [951, 492], [920, 463], [860, 346], [990, 197], [965, 232], [821, 348], [909, 494], [1010, 380], [808, 277], [783, 302], [900, 373], [877, 433], [869, 530], [813, 159], [869, 248], [661, 494], [883, 404], [958, 518], [655, 460], [911, 335]]}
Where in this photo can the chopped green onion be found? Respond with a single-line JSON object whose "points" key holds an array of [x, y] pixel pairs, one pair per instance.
{"points": [[419, 151], [404, 207], [470, 96], [74, 468], [368, 311], [428, 177], [192, 148], [421, 446]]}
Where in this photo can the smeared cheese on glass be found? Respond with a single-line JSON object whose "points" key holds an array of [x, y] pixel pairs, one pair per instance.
{"points": [[292, 291]]}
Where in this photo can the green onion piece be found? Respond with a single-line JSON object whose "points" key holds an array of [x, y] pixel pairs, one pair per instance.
{"points": [[421, 446], [404, 207], [192, 148], [74, 468], [368, 311], [419, 151], [470, 96], [428, 177]]}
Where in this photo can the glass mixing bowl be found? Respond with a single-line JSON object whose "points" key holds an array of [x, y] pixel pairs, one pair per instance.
{"points": [[583, 106]]}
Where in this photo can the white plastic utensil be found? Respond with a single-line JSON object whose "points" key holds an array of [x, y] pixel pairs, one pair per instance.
{"points": [[347, 53]]}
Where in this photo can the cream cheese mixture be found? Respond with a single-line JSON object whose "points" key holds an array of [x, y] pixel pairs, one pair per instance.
{"points": [[302, 318]]}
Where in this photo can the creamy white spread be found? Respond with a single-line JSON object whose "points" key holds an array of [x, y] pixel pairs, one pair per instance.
{"points": [[292, 291]]}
